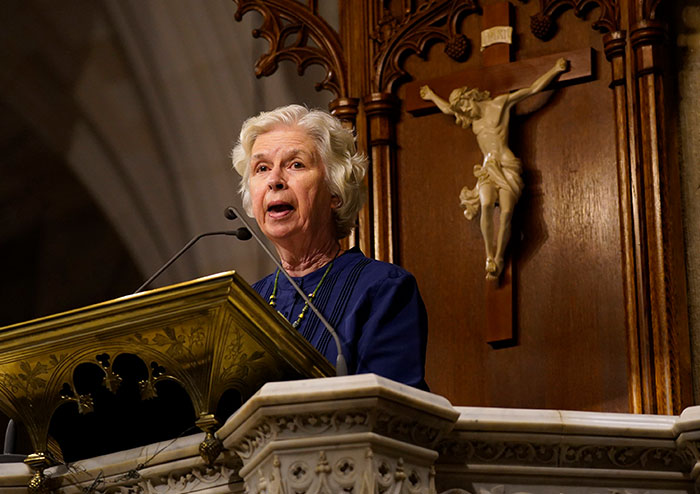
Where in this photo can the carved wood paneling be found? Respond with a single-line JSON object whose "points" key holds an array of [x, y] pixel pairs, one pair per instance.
{"points": [[396, 33], [289, 26], [382, 110], [615, 45], [410, 34], [660, 213], [542, 24]]}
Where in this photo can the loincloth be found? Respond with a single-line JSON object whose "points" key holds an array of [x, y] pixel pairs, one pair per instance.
{"points": [[504, 175]]}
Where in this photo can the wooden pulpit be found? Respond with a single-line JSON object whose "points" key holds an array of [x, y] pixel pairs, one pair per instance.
{"points": [[209, 336]]}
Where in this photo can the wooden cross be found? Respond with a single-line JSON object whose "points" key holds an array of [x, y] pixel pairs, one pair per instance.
{"points": [[499, 75]]}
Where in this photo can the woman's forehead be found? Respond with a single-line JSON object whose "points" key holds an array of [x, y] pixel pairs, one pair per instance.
{"points": [[283, 139]]}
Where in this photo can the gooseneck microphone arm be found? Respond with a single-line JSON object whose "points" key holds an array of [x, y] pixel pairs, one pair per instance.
{"points": [[341, 367], [241, 233]]}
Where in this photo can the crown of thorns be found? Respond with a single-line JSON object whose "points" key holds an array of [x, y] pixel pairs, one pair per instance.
{"points": [[464, 93]]}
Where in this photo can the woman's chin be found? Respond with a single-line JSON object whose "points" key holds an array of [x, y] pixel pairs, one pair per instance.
{"points": [[281, 233]]}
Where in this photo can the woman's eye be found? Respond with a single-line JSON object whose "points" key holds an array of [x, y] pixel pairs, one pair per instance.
{"points": [[261, 168], [297, 164]]}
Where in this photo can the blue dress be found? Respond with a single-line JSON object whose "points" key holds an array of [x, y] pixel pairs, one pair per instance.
{"points": [[374, 306]]}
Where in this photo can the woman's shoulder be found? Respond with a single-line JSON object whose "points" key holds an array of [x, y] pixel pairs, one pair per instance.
{"points": [[260, 285], [372, 268]]}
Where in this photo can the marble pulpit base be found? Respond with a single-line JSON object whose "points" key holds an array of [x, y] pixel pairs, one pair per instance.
{"points": [[368, 435]]}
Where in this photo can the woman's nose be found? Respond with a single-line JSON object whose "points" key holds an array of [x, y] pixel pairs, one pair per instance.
{"points": [[276, 180]]}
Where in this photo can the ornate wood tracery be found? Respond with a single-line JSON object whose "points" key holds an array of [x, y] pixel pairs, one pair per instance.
{"points": [[542, 24], [288, 27], [430, 22]]}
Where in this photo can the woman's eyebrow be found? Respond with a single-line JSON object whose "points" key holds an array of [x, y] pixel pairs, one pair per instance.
{"points": [[297, 152]]}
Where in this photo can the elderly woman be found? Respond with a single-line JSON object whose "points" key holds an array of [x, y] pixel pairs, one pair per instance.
{"points": [[302, 181]]}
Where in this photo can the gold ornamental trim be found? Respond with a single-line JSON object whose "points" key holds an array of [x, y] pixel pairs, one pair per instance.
{"points": [[209, 335]]}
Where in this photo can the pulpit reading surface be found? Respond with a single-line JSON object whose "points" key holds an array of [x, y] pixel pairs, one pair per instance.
{"points": [[208, 336]]}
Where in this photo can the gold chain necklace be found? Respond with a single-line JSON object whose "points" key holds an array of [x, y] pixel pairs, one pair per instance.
{"points": [[273, 297]]}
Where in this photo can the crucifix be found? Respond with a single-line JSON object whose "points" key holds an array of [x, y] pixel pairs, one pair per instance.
{"points": [[499, 180]]}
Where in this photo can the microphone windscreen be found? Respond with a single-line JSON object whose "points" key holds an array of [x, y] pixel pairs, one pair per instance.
{"points": [[231, 214], [243, 234]]}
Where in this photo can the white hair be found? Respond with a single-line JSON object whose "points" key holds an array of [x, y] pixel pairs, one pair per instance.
{"points": [[344, 167]]}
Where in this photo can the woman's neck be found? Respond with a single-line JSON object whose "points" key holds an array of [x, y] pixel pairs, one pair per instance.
{"points": [[300, 264]]}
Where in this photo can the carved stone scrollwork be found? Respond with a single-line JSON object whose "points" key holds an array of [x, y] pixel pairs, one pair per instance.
{"points": [[431, 21], [270, 428], [257, 438], [542, 24], [628, 458], [297, 32], [193, 480], [570, 456], [351, 470], [406, 430], [501, 452], [320, 423], [355, 447]]}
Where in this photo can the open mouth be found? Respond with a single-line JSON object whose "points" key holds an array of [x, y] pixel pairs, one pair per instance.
{"points": [[279, 209]]}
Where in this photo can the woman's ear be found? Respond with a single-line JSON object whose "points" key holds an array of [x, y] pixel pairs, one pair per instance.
{"points": [[336, 202]]}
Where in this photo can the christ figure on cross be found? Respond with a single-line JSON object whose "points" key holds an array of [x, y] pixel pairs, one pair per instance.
{"points": [[498, 176]]}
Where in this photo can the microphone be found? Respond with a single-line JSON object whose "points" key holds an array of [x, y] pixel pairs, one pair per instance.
{"points": [[241, 233], [341, 367]]}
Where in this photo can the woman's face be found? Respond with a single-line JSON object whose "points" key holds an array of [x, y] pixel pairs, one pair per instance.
{"points": [[289, 195]]}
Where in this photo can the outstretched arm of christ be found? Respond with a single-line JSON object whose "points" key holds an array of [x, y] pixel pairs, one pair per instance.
{"points": [[542, 82], [428, 94]]}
